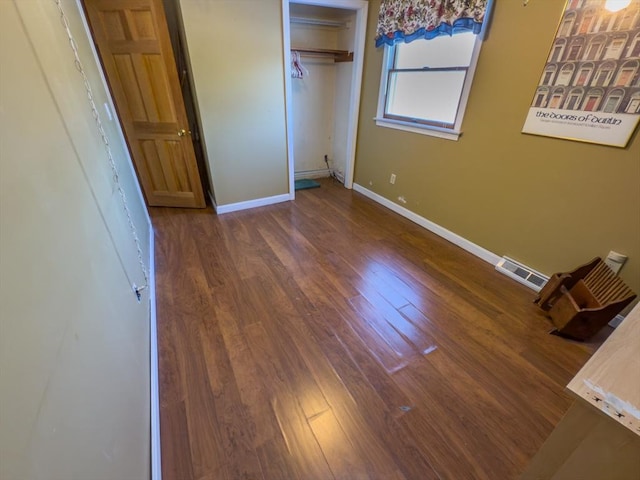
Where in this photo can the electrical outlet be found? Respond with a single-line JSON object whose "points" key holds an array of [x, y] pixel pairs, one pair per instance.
{"points": [[392, 179], [615, 261]]}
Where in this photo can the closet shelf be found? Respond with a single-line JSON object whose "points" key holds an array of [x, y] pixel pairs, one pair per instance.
{"points": [[319, 22], [338, 55]]}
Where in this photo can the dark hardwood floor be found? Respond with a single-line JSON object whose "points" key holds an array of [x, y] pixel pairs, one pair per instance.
{"points": [[331, 338]]}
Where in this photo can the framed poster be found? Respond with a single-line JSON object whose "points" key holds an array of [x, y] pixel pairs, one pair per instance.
{"points": [[589, 89]]}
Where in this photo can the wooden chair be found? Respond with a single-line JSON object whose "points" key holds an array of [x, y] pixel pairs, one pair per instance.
{"points": [[583, 301]]}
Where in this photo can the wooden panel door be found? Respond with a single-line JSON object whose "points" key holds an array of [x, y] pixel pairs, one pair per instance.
{"points": [[133, 41]]}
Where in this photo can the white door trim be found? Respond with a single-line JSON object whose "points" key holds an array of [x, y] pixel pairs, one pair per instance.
{"points": [[288, 109], [361, 8]]}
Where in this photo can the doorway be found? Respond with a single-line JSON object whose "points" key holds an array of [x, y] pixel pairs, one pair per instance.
{"points": [[322, 111]]}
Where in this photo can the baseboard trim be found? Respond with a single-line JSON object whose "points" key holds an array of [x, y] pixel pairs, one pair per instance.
{"points": [[454, 238], [213, 200], [156, 456], [258, 202]]}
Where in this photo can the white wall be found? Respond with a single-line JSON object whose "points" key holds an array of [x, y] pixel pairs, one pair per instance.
{"points": [[321, 99], [236, 56], [74, 342], [313, 100], [344, 88]]}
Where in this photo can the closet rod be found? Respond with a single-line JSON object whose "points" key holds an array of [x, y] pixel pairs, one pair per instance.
{"points": [[318, 21], [338, 55]]}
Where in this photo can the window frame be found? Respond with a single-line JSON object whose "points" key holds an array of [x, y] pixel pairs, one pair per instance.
{"points": [[420, 126]]}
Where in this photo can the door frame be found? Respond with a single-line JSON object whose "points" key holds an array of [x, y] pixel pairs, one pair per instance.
{"points": [[360, 7]]}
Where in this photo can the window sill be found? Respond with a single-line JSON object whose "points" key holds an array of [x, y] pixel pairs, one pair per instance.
{"points": [[418, 128]]}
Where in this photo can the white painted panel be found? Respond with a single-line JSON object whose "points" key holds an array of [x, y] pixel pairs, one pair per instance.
{"points": [[313, 98], [313, 114]]}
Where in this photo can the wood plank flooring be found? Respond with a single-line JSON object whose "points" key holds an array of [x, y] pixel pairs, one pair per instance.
{"points": [[331, 338]]}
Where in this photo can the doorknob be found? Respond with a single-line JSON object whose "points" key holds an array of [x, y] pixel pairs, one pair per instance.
{"points": [[183, 132]]}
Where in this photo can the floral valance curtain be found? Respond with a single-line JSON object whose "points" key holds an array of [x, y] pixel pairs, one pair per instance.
{"points": [[408, 20]]}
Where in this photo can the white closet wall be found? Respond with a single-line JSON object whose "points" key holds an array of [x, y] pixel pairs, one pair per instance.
{"points": [[321, 99], [313, 101], [344, 76]]}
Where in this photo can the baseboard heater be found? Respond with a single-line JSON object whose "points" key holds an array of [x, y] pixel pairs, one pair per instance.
{"points": [[534, 280], [319, 173], [521, 273]]}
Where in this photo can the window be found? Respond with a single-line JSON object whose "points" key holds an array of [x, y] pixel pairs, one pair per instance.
{"points": [[425, 84]]}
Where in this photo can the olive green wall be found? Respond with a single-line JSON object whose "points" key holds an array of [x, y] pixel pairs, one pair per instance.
{"points": [[235, 49], [74, 340], [549, 203]]}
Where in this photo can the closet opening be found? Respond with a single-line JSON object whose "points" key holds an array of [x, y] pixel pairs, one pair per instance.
{"points": [[324, 50]]}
